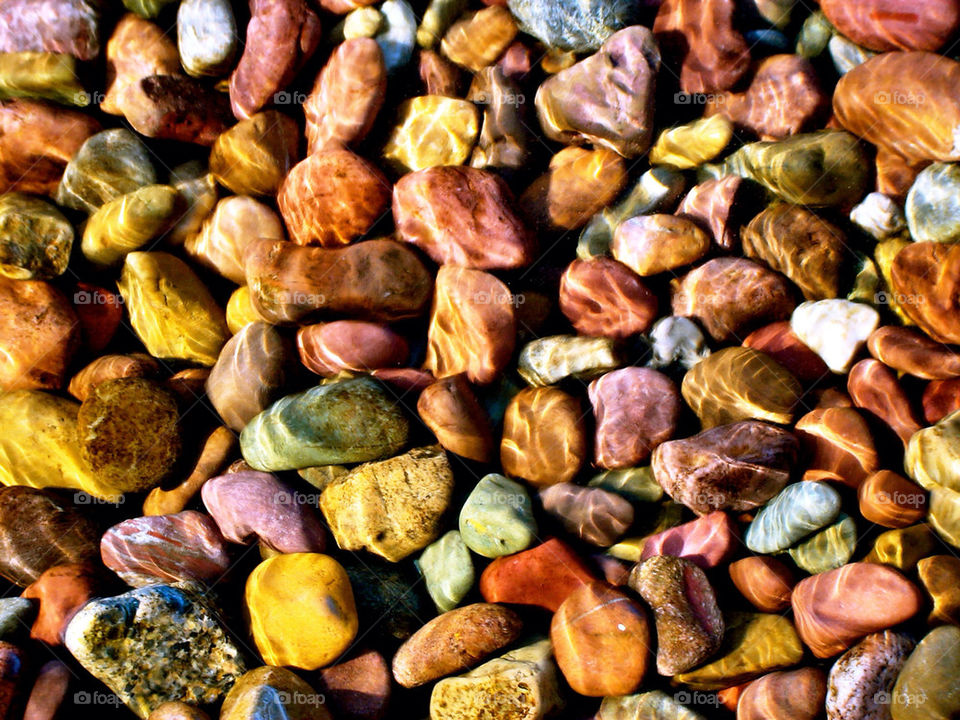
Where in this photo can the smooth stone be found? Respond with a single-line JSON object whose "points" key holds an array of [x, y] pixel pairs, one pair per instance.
{"points": [[879, 216], [903, 548], [933, 454], [497, 518], [111, 367], [676, 341], [250, 506], [594, 515], [875, 388], [931, 203], [478, 38], [923, 283], [273, 692], [688, 146], [213, 453], [650, 705], [939, 575], [784, 695], [398, 35], [206, 37], [580, 27], [523, 683], [359, 688], [49, 693], [455, 641], [890, 500], [658, 243], [834, 609], [884, 25], [391, 507], [797, 511], [595, 629], [60, 592], [544, 440], [827, 549], [255, 155], [543, 576], [120, 639], [71, 28], [452, 412], [940, 398], [909, 351], [765, 582], [249, 374], [926, 688], [688, 620], [838, 444], [635, 484], [716, 206], [753, 645], [602, 297], [128, 223], [432, 130], [16, 616], [835, 329], [198, 191], [504, 141], [780, 342], [861, 680], [345, 421], [301, 610], [35, 238], [707, 542], [166, 548], [447, 570]]}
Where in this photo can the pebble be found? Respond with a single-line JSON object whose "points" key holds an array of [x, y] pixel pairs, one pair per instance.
{"points": [[447, 570], [594, 515], [450, 409], [273, 692], [497, 518], [255, 155], [860, 681], [707, 541], [676, 340], [455, 641], [939, 575], [120, 640], [432, 130], [580, 28], [875, 388], [799, 510], [765, 582], [301, 610], [206, 37], [35, 238], [548, 360], [839, 446], [926, 688], [909, 351], [658, 243], [828, 549], [391, 507], [60, 592]]}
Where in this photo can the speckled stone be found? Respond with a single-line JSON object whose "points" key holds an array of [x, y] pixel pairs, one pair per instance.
{"points": [[447, 570], [120, 639], [800, 509], [861, 680], [497, 518], [268, 692]]}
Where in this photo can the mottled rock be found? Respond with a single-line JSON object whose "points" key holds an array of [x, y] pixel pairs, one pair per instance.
{"points": [[450, 409], [206, 37], [593, 514], [765, 582], [497, 518], [432, 130], [658, 243], [706, 542], [548, 360]]}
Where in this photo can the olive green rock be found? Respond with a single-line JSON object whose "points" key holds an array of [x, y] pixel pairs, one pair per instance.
{"points": [[346, 421], [547, 361], [171, 310], [41, 75], [447, 570], [273, 692], [127, 223], [497, 517], [35, 238], [109, 164], [927, 687], [828, 549], [653, 705]]}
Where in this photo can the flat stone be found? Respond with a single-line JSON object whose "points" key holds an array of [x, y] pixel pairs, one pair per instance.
{"points": [[497, 518], [602, 297], [35, 238], [925, 689], [706, 542], [828, 549], [432, 130], [835, 329], [861, 680], [593, 514], [800, 509], [765, 582], [206, 37], [447, 570], [273, 692], [450, 409], [359, 688], [255, 155], [579, 28], [548, 360]]}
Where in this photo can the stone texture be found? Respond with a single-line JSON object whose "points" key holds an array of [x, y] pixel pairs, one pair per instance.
{"points": [[765, 582], [794, 694], [594, 515], [432, 130], [925, 689], [838, 446], [707, 542], [450, 409], [60, 592], [255, 155], [658, 243], [797, 511], [359, 688], [861, 680], [273, 692], [497, 519], [875, 388], [447, 570], [780, 342], [603, 298]]}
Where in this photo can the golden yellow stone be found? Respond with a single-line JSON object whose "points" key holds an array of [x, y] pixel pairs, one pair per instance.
{"points": [[240, 310], [433, 130], [127, 223], [301, 609], [690, 145], [903, 548]]}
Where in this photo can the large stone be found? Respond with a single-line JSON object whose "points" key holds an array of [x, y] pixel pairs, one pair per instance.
{"points": [[497, 518], [272, 692], [861, 680], [925, 688]]}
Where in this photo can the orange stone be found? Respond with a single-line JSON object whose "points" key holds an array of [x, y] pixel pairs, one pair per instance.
{"points": [[890, 500], [837, 445], [451, 410], [764, 581]]}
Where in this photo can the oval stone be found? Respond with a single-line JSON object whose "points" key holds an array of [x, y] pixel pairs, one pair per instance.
{"points": [[800, 509], [497, 519], [861, 680], [593, 514], [451, 410], [765, 582], [350, 345]]}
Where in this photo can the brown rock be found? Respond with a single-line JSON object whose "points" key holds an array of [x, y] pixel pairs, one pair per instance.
{"points": [[909, 351], [438, 75], [785, 695], [779, 342], [477, 39], [765, 582], [592, 514], [461, 216], [350, 345], [359, 688], [37, 141], [543, 576], [940, 398], [636, 409], [456, 640], [40, 333], [332, 198], [451, 410], [137, 49], [707, 541], [874, 387], [891, 500], [837, 445], [834, 609], [472, 326], [379, 280], [60, 592], [940, 576], [732, 296], [715, 205], [884, 25], [601, 641], [544, 437], [347, 95], [111, 367], [604, 298], [653, 244], [215, 452], [254, 156], [709, 61], [281, 37]]}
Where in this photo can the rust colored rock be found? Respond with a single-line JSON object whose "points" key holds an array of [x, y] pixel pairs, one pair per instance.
{"points": [[347, 95], [707, 542], [352, 345], [636, 409], [358, 688], [137, 49], [604, 298], [111, 367], [785, 695], [715, 206], [653, 244], [902, 102], [699, 36], [37, 141], [451, 410], [926, 280], [732, 296], [65, 26], [834, 609], [909, 351], [331, 198], [60, 592], [438, 75], [875, 388], [779, 342], [543, 576], [940, 398], [100, 312], [40, 333], [461, 216], [592, 514], [885, 25], [601, 641], [544, 436], [784, 98], [379, 280], [764, 581], [472, 325], [578, 184], [215, 452], [732, 467], [837, 445], [281, 37], [890, 500], [801, 245], [454, 641]]}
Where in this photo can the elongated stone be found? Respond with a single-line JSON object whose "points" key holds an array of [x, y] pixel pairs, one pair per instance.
{"points": [[35, 238], [861, 680], [497, 518], [119, 640], [347, 421], [447, 570], [206, 37], [800, 509], [548, 360], [827, 549], [271, 692], [592, 514], [127, 223]]}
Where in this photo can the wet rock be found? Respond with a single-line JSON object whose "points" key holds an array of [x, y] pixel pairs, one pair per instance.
{"points": [[206, 37], [658, 243], [765, 582], [548, 360], [602, 297], [592, 514], [432, 130], [255, 155], [497, 518], [580, 28]]}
